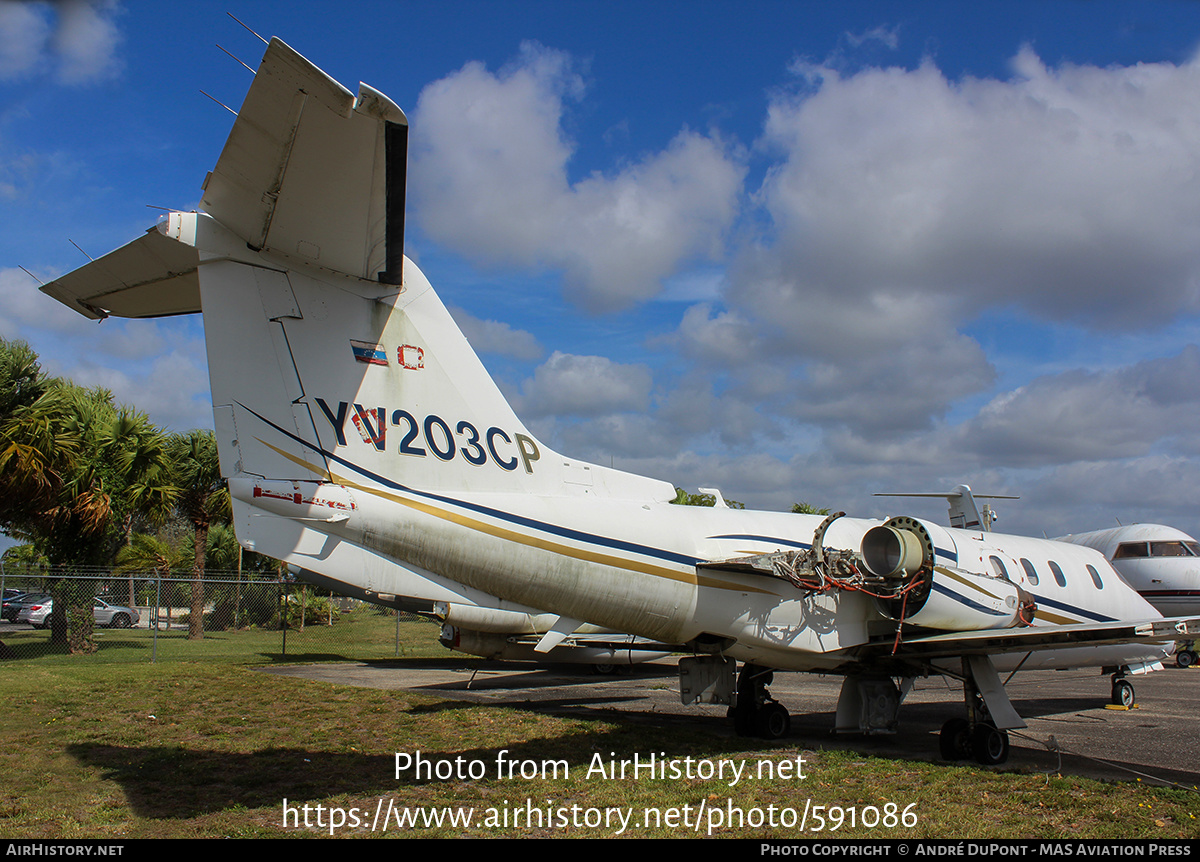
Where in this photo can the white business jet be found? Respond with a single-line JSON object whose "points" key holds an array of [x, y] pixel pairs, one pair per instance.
{"points": [[364, 441], [1161, 563]]}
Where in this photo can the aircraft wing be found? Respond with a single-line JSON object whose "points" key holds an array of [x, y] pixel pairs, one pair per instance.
{"points": [[1032, 638]]}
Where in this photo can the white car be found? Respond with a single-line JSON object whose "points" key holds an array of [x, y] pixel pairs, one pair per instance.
{"points": [[112, 616]]}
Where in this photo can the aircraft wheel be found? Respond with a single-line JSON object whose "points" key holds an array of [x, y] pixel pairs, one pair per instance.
{"points": [[1122, 692], [989, 744], [955, 740], [743, 720], [772, 721], [1185, 658]]}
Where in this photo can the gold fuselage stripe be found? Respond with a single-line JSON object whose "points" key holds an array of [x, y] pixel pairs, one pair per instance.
{"points": [[687, 577]]}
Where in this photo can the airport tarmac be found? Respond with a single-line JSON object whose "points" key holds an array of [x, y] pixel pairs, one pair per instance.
{"points": [[1159, 741]]}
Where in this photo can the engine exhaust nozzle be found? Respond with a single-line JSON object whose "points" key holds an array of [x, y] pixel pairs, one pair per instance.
{"points": [[890, 553]]}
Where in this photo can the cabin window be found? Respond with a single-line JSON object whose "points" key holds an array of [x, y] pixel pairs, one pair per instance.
{"points": [[1059, 577], [1169, 549], [998, 567], [1126, 550], [1030, 571], [1095, 577]]}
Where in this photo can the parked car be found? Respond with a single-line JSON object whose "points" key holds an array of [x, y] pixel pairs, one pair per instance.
{"points": [[9, 598], [37, 614], [111, 616], [13, 607]]}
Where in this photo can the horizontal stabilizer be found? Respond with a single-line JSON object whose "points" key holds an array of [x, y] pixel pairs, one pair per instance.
{"points": [[153, 276]]}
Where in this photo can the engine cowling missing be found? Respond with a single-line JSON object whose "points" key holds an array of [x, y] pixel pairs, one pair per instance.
{"points": [[901, 552], [936, 596], [896, 564]]}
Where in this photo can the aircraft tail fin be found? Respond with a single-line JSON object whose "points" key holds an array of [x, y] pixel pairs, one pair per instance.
{"points": [[964, 513], [314, 172], [331, 357]]}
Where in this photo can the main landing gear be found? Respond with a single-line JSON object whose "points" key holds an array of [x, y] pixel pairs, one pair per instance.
{"points": [[983, 735], [756, 713], [982, 741]]}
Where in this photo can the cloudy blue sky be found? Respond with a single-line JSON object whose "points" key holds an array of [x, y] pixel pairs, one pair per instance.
{"points": [[797, 251]]}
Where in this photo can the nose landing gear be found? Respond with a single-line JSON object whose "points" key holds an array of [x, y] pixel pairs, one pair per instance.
{"points": [[1122, 690]]}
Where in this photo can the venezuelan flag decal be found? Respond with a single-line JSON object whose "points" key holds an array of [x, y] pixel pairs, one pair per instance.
{"points": [[365, 351]]}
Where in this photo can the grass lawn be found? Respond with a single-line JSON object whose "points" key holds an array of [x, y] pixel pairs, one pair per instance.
{"points": [[204, 745], [364, 633]]}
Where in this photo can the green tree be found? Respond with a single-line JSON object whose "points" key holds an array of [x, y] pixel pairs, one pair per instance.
{"points": [[683, 498], [21, 380], [53, 482], [137, 448], [147, 554], [74, 471], [204, 500], [807, 509]]}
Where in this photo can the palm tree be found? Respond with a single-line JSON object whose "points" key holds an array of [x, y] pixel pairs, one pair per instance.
{"points": [[138, 450], [74, 471], [54, 491], [203, 499], [146, 553]]}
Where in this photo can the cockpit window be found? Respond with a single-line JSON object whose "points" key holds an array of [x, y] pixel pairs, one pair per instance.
{"points": [[1130, 549], [1030, 571], [998, 567], [1059, 577], [1169, 549], [1095, 577]]}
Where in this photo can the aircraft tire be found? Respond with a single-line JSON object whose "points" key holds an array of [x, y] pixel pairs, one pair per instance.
{"points": [[1185, 658], [1122, 693], [772, 721], [989, 744], [955, 740], [743, 720]]}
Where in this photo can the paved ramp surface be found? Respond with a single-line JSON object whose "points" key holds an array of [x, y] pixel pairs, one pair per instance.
{"points": [[1159, 741]]}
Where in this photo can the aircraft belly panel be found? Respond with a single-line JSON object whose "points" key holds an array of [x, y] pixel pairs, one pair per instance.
{"points": [[624, 592], [816, 623]]}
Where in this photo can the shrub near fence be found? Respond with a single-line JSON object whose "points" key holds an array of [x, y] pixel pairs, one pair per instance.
{"points": [[248, 619]]}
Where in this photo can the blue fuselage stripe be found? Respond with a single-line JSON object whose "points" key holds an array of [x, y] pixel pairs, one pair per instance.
{"points": [[1063, 606], [553, 529], [946, 591]]}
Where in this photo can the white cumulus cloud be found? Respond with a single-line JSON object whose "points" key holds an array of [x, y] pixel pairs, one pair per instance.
{"points": [[76, 39], [490, 180]]}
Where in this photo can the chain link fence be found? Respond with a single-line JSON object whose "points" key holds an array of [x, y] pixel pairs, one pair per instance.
{"points": [[163, 616]]}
